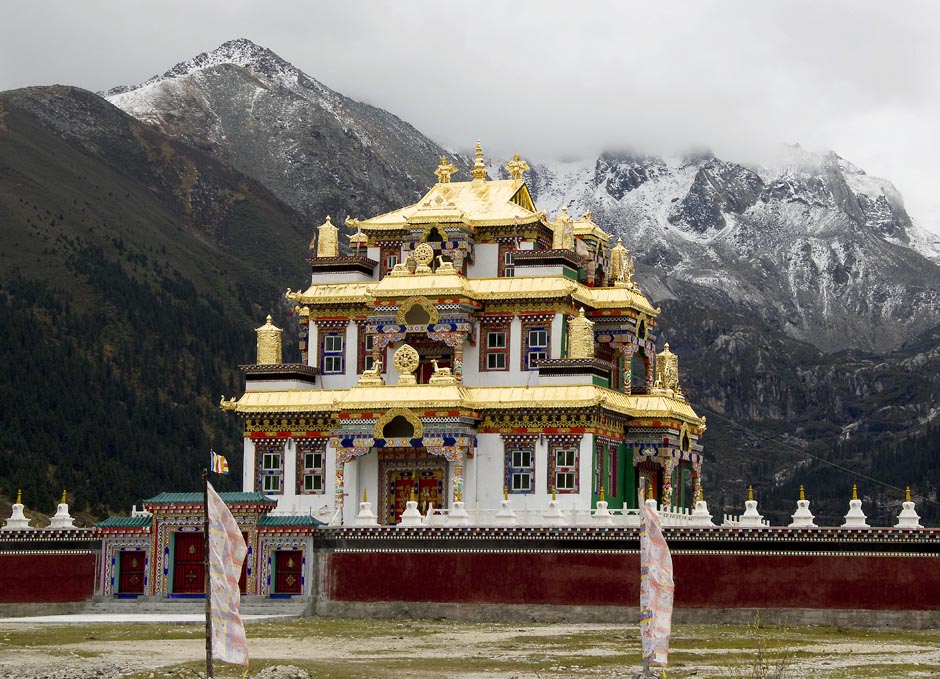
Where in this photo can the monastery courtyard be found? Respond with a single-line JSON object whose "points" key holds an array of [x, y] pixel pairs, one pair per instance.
{"points": [[379, 649]]}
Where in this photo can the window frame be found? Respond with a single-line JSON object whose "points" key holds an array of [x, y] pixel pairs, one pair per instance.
{"points": [[565, 468], [491, 355], [539, 351], [517, 469], [334, 358]]}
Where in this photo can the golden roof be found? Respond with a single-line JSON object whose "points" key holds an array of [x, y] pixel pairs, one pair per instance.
{"points": [[483, 289], [475, 203], [432, 397]]}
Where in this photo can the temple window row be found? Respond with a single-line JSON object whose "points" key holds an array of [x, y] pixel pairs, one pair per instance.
{"points": [[562, 469]]}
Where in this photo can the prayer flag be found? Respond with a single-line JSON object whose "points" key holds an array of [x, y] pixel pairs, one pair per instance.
{"points": [[227, 552], [219, 463], [656, 587]]}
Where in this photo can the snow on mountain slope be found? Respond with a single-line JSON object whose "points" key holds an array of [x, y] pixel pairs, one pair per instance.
{"points": [[811, 245], [316, 149]]}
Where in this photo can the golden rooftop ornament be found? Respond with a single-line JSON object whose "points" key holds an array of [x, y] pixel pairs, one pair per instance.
{"points": [[667, 369], [580, 336], [327, 239], [750, 493], [406, 361], [600, 494], [854, 492], [563, 234], [517, 167], [907, 494], [505, 492], [479, 169], [554, 493], [62, 501], [269, 343], [364, 497], [444, 171], [19, 496], [802, 492], [621, 265]]}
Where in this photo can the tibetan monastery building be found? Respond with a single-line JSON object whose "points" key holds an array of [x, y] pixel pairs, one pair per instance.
{"points": [[468, 349]]}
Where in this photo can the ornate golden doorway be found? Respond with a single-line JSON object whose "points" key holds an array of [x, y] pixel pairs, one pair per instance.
{"points": [[402, 470]]}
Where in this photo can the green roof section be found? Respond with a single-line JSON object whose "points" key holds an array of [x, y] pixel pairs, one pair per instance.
{"points": [[302, 520], [196, 498], [125, 522]]}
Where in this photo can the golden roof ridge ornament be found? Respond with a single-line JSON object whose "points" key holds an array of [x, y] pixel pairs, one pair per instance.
{"points": [[445, 169], [667, 370], [327, 239], [563, 232], [19, 496], [269, 343], [517, 167], [622, 267], [580, 336], [479, 168], [406, 361]]}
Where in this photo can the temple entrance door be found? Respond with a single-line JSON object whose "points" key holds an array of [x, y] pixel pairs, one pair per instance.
{"points": [[189, 569], [287, 571], [131, 580], [414, 469]]}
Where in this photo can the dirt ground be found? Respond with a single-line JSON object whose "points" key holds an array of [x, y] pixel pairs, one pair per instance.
{"points": [[386, 649]]}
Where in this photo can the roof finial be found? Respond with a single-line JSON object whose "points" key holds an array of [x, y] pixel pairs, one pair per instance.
{"points": [[444, 171], [62, 501], [907, 494], [750, 493], [802, 492], [505, 492], [479, 169], [364, 496], [554, 493], [600, 494], [516, 167], [854, 492], [19, 496]]}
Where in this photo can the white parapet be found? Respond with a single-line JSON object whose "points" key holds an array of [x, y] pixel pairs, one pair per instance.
{"points": [[701, 517], [855, 518], [802, 517], [908, 518], [411, 516], [366, 517], [505, 516]]}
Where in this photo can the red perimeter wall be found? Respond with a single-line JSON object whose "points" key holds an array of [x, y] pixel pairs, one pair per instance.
{"points": [[702, 580], [46, 578]]}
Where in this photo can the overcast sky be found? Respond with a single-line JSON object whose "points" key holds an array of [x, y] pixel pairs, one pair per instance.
{"points": [[556, 79]]}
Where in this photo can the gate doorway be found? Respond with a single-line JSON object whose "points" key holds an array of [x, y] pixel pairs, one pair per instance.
{"points": [[189, 568]]}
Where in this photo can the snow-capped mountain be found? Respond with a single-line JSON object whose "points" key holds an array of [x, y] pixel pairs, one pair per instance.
{"points": [[810, 245], [319, 151]]}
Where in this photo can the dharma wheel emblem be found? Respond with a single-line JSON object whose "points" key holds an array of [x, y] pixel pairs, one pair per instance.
{"points": [[424, 254], [406, 361]]}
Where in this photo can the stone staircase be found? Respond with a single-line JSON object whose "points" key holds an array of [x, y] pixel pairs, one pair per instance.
{"points": [[293, 607]]}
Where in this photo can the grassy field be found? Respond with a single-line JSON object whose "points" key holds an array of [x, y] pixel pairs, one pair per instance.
{"points": [[386, 649]]}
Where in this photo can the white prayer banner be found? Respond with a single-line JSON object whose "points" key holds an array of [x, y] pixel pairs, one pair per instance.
{"points": [[227, 552], [656, 587]]}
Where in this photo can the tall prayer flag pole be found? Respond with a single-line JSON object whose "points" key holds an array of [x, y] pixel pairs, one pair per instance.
{"points": [[208, 586]]}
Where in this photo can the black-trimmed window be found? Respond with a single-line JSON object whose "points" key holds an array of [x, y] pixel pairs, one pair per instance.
{"points": [[565, 460], [313, 468], [536, 346], [497, 349], [520, 462], [271, 471], [509, 264], [332, 350]]}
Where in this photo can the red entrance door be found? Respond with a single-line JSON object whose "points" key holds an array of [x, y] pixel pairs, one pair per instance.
{"points": [[131, 580], [243, 578], [287, 572], [189, 569]]}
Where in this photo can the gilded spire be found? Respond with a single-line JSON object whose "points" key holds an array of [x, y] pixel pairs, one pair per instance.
{"points": [[19, 496], [269, 343], [667, 369], [445, 170], [364, 497], [907, 494], [802, 492], [458, 494], [854, 492], [699, 494], [580, 336], [554, 493], [750, 493], [600, 495], [479, 169], [505, 492], [327, 239], [517, 167], [62, 501]]}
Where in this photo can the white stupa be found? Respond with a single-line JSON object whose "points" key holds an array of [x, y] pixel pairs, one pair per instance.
{"points": [[62, 519], [802, 517], [366, 517], [601, 514], [458, 515], [855, 517], [17, 520], [751, 518], [908, 518], [505, 516], [553, 516], [701, 517]]}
